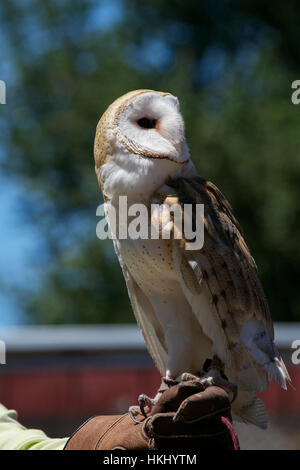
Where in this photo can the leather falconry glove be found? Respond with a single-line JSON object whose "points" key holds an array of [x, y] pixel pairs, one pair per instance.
{"points": [[188, 415]]}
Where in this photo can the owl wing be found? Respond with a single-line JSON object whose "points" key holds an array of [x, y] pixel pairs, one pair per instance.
{"points": [[220, 282], [145, 317]]}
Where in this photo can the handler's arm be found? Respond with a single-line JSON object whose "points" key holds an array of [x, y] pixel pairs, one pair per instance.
{"points": [[14, 436]]}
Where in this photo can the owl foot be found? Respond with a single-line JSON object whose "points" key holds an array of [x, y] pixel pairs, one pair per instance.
{"points": [[167, 382], [145, 403], [213, 375], [133, 411], [144, 407], [186, 377]]}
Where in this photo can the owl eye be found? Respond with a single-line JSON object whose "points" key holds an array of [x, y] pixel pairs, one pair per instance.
{"points": [[147, 123]]}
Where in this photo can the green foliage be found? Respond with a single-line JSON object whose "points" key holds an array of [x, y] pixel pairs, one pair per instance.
{"points": [[230, 63], [88, 287]]}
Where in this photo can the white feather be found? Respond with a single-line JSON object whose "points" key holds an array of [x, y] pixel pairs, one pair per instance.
{"points": [[262, 349], [248, 408]]}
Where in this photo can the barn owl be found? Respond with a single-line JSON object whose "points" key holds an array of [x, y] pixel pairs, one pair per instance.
{"points": [[190, 304]]}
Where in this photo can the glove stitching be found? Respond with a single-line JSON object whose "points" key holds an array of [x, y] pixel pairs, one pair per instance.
{"points": [[209, 415], [109, 429]]}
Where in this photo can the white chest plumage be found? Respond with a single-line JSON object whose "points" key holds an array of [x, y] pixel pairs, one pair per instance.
{"points": [[150, 264]]}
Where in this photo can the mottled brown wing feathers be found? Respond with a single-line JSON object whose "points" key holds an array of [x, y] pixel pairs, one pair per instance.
{"points": [[228, 270]]}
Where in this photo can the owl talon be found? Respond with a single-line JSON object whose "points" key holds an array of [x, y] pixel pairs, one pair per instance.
{"points": [[186, 376], [145, 401], [167, 382], [133, 411]]}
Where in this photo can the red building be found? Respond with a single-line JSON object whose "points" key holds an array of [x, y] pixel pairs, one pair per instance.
{"points": [[56, 377]]}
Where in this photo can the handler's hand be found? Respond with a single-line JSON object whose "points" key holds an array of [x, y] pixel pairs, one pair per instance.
{"points": [[190, 416], [187, 416]]}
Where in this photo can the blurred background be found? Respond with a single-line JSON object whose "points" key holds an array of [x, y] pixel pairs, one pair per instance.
{"points": [[231, 64]]}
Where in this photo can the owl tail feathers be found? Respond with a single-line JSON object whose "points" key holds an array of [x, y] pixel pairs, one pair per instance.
{"points": [[249, 409], [281, 376]]}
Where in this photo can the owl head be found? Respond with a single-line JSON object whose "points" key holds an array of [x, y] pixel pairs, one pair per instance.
{"points": [[141, 129]]}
